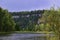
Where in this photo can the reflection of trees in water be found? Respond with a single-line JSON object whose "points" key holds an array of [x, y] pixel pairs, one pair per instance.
{"points": [[34, 38]]}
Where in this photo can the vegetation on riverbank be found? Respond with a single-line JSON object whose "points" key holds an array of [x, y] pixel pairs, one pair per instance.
{"points": [[52, 18], [6, 22], [49, 21]]}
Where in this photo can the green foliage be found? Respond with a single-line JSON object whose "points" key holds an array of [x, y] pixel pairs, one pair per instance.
{"points": [[6, 22], [27, 20], [52, 17]]}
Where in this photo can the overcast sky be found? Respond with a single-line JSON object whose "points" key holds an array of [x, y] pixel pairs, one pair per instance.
{"points": [[25, 5]]}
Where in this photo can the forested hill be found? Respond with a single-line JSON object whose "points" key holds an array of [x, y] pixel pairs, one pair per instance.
{"points": [[20, 21], [27, 20]]}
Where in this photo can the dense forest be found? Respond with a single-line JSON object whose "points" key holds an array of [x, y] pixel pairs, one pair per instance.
{"points": [[38, 20], [22, 21], [7, 24], [27, 20]]}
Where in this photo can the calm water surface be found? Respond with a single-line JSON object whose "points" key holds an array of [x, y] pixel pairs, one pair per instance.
{"points": [[16, 36]]}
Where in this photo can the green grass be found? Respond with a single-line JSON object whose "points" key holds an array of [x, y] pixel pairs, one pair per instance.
{"points": [[32, 32], [5, 33]]}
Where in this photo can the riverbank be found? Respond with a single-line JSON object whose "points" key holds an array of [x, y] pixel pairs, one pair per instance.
{"points": [[25, 32], [5, 33], [32, 32], [26, 36]]}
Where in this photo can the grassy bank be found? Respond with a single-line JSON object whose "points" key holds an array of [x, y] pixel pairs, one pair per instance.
{"points": [[5, 33], [32, 32], [25, 32]]}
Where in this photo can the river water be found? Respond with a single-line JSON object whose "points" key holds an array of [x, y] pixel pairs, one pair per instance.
{"points": [[17, 36]]}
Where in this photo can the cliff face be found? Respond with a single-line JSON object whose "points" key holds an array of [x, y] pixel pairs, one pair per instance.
{"points": [[24, 19]]}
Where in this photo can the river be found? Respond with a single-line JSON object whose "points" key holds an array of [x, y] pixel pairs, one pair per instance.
{"points": [[17, 36]]}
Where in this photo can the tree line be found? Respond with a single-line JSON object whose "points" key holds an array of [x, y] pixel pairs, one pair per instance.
{"points": [[7, 24], [49, 21], [30, 23], [28, 20]]}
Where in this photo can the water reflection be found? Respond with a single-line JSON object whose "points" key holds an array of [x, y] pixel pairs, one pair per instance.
{"points": [[24, 37]]}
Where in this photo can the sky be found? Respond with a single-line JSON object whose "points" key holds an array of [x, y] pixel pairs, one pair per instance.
{"points": [[27, 5]]}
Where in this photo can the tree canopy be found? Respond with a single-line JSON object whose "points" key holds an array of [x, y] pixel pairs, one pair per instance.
{"points": [[52, 17], [6, 22]]}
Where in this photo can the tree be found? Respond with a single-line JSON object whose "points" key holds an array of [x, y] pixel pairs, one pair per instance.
{"points": [[6, 22], [52, 17]]}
